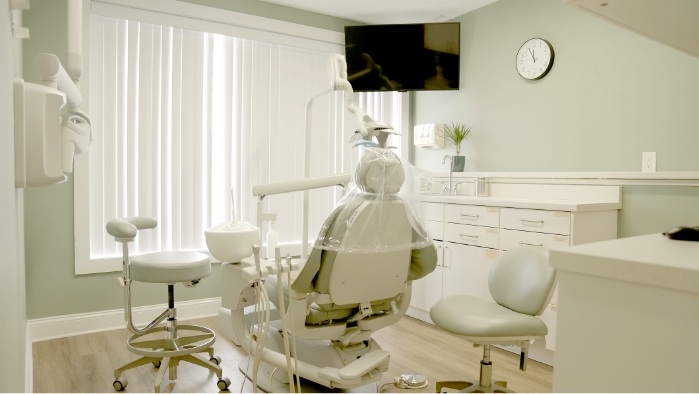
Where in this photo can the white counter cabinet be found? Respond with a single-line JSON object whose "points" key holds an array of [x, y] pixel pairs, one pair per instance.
{"points": [[628, 317], [471, 232]]}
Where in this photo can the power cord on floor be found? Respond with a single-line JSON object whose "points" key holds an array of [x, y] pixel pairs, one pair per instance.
{"points": [[407, 381]]}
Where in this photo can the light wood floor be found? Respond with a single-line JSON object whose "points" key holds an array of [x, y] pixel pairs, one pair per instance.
{"points": [[85, 363]]}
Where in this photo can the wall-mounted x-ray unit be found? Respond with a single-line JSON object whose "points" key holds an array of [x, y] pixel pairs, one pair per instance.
{"points": [[50, 129], [45, 138]]}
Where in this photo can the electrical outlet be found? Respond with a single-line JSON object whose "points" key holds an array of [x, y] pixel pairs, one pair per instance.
{"points": [[648, 162]]}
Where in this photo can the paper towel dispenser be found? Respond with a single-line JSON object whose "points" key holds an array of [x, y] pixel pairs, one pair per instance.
{"points": [[429, 136]]}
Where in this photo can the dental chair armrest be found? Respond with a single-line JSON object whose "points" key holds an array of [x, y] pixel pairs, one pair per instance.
{"points": [[126, 228], [356, 369]]}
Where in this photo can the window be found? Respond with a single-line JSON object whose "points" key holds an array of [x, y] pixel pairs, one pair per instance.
{"points": [[185, 122]]}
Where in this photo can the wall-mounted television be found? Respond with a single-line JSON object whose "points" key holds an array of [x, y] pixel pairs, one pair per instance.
{"points": [[402, 57]]}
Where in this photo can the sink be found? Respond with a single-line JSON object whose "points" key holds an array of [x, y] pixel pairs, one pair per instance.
{"points": [[231, 241]]}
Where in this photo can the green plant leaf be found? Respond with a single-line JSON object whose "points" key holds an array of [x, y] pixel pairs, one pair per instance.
{"points": [[456, 133]]}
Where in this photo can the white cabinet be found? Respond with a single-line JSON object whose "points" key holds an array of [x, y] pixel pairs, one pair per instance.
{"points": [[470, 237], [629, 316]]}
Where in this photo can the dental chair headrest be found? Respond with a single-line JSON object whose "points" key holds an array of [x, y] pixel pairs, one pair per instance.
{"points": [[379, 171]]}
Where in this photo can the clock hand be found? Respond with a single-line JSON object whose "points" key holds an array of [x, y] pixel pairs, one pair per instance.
{"points": [[532, 53]]}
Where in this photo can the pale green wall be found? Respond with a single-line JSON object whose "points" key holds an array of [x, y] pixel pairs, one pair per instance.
{"points": [[611, 95], [52, 288]]}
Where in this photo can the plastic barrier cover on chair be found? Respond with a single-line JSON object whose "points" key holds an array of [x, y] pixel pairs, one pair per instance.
{"points": [[378, 180]]}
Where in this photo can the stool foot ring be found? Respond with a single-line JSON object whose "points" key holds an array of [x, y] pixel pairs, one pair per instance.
{"points": [[172, 347], [166, 353]]}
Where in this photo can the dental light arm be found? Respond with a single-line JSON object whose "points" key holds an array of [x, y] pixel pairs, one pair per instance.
{"points": [[342, 83]]}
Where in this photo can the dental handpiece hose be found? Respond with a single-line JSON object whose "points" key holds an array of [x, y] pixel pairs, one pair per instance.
{"points": [[282, 313]]}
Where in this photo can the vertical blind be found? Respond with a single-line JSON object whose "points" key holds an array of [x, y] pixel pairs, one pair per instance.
{"points": [[186, 122]]}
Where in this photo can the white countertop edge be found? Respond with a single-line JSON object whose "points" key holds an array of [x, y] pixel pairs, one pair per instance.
{"points": [[558, 205], [619, 175], [594, 259]]}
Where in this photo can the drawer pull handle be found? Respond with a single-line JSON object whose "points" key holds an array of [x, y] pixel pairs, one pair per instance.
{"points": [[528, 244], [468, 236], [465, 215], [540, 222]]}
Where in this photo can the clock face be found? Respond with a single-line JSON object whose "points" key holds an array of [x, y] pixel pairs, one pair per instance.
{"points": [[535, 58]]}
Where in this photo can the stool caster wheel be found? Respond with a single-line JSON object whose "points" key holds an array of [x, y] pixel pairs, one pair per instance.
{"points": [[223, 383], [157, 363], [216, 360], [120, 384]]}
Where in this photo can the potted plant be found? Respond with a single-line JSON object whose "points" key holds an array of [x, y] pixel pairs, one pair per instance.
{"points": [[456, 133]]}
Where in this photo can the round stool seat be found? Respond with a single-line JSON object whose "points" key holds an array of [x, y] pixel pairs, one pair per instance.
{"points": [[170, 267]]}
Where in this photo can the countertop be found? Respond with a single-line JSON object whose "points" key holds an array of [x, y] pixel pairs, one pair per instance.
{"points": [[650, 259], [520, 202]]}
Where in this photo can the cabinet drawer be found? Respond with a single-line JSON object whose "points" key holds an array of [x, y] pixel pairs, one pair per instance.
{"points": [[552, 222], [472, 214], [435, 229], [471, 235], [510, 239], [433, 211]]}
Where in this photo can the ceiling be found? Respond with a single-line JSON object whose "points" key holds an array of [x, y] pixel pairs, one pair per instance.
{"points": [[388, 11]]}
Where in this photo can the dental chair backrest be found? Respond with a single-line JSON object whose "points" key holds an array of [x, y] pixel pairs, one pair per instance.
{"points": [[370, 275], [365, 248]]}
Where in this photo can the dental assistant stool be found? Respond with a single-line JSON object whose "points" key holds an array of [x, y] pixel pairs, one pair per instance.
{"points": [[521, 283], [163, 351]]}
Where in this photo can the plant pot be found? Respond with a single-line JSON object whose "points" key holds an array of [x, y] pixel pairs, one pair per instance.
{"points": [[458, 163]]}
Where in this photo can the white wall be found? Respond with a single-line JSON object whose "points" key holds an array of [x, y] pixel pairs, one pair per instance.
{"points": [[13, 321]]}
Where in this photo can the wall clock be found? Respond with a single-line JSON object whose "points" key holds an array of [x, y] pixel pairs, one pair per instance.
{"points": [[535, 58]]}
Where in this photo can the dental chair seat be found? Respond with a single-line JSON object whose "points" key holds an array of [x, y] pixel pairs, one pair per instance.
{"points": [[474, 317], [324, 313], [170, 267]]}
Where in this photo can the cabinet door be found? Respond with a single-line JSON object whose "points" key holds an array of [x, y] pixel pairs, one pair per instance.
{"points": [[466, 270], [428, 290]]}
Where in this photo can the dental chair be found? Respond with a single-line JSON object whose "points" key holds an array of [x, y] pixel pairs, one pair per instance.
{"points": [[521, 283], [163, 346], [356, 280]]}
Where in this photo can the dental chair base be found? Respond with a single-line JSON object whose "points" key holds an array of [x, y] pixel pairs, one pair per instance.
{"points": [[331, 364], [272, 378]]}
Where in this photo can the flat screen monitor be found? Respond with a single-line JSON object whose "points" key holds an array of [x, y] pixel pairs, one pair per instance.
{"points": [[402, 57]]}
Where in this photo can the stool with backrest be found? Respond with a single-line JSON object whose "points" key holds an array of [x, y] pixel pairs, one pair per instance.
{"points": [[521, 283], [163, 346]]}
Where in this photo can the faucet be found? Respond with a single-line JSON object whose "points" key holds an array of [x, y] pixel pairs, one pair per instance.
{"points": [[451, 166]]}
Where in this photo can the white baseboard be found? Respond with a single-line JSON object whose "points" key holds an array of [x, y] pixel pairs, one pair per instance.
{"points": [[84, 323]]}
